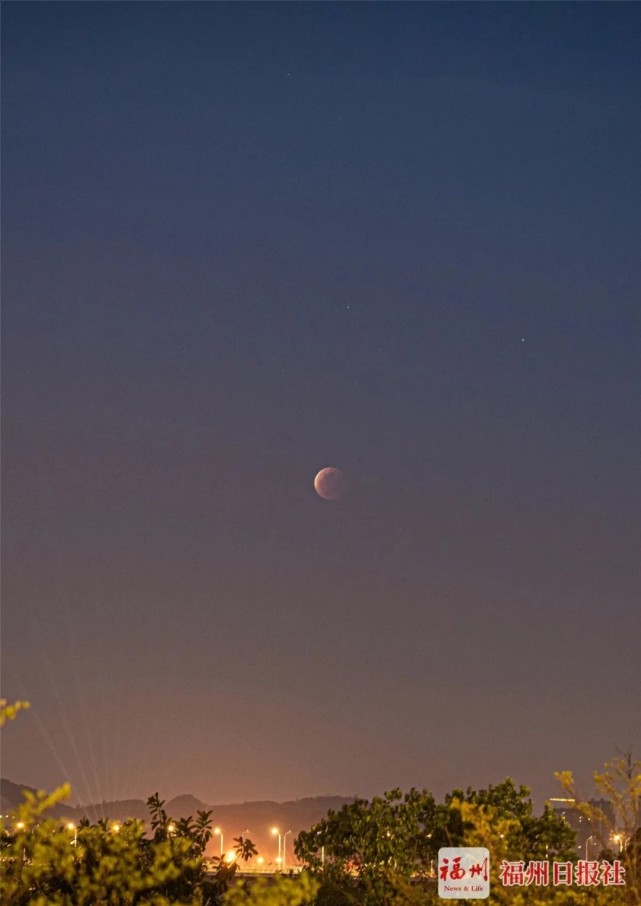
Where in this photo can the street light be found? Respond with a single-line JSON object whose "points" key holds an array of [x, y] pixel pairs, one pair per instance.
{"points": [[276, 832], [587, 843], [618, 839], [20, 826], [72, 827], [219, 833], [285, 849]]}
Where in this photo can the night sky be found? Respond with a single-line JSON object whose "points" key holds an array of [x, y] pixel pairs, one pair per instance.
{"points": [[242, 242]]}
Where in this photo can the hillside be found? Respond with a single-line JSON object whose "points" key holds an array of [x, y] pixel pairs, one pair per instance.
{"points": [[253, 819]]}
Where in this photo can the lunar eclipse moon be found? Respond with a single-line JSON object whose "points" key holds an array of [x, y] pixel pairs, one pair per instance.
{"points": [[330, 483]]}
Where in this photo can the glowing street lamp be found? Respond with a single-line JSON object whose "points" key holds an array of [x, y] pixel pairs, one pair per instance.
{"points": [[72, 827], [276, 833], [20, 826], [618, 839], [171, 828], [219, 833], [115, 828], [285, 849]]}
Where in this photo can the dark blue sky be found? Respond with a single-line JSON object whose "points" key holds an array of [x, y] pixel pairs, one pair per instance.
{"points": [[245, 241]]}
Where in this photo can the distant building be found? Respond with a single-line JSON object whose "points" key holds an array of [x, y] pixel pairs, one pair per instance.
{"points": [[591, 837]]}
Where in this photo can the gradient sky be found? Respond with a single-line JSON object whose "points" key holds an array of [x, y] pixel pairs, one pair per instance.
{"points": [[245, 241]]}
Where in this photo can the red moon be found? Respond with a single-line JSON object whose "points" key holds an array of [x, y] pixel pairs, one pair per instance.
{"points": [[330, 483]]}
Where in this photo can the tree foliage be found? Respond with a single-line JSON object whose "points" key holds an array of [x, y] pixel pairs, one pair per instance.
{"points": [[620, 784], [364, 850], [523, 834], [44, 861], [281, 891], [385, 851], [10, 712]]}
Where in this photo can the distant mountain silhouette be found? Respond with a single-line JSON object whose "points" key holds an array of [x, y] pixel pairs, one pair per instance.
{"points": [[11, 795], [251, 819], [184, 805]]}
